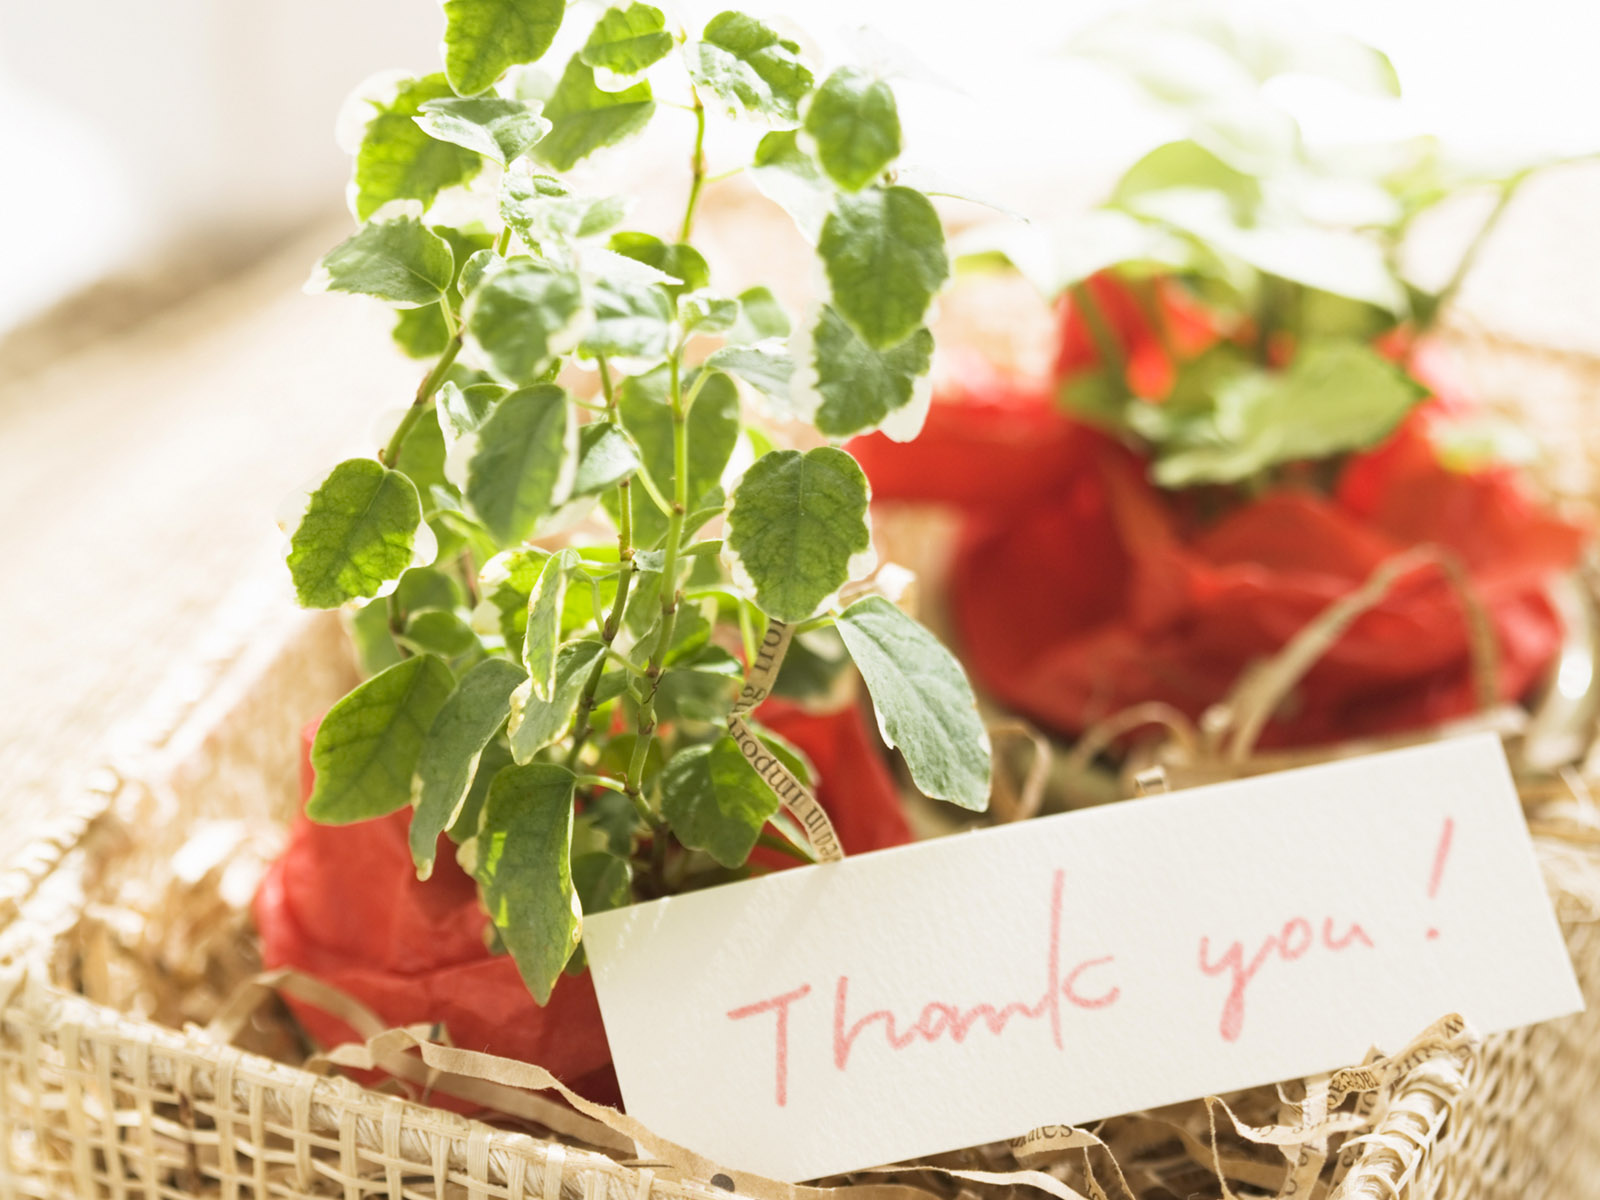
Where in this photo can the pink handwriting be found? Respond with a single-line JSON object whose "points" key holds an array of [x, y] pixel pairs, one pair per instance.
{"points": [[939, 1019], [1440, 854], [1291, 942]]}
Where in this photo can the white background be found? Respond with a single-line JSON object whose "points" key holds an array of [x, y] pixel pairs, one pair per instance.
{"points": [[131, 127]]}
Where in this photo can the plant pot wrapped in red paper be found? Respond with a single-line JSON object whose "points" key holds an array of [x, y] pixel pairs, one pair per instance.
{"points": [[344, 904], [1078, 587]]}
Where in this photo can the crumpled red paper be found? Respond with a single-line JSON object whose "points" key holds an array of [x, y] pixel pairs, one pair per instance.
{"points": [[1078, 588], [344, 904]]}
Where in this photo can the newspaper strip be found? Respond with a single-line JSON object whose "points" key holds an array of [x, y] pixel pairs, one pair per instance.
{"points": [[1047, 1141], [791, 793], [763, 671]]}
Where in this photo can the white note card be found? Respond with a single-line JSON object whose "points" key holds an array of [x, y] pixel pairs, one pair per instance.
{"points": [[966, 989]]}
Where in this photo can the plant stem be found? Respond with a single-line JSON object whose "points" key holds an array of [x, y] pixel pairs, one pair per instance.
{"points": [[1155, 316], [424, 398], [747, 631], [1469, 256], [600, 781], [1103, 336], [431, 384], [671, 594], [619, 603], [697, 165]]}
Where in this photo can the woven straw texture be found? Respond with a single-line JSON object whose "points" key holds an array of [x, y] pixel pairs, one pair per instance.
{"points": [[113, 962], [123, 933]]}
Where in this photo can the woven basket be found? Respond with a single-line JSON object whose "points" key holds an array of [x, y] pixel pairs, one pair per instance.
{"points": [[124, 933]]}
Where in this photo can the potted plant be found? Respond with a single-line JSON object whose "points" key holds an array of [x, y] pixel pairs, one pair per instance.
{"points": [[577, 564]]}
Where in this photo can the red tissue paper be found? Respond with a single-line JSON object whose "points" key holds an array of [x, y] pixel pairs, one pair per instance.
{"points": [[1077, 587], [344, 905]]}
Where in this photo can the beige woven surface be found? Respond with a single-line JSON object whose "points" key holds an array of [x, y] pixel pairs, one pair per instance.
{"points": [[139, 479], [113, 962]]}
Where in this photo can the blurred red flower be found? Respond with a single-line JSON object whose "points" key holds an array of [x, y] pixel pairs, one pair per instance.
{"points": [[1078, 588]]}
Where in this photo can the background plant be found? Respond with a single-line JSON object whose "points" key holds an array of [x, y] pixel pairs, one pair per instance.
{"points": [[1293, 253], [563, 713]]}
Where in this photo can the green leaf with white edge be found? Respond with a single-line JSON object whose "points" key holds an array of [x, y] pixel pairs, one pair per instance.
{"points": [[501, 130], [484, 38], [845, 387], [462, 410], [924, 703], [769, 371], [524, 315], [395, 258], [678, 259], [366, 748], [606, 457], [522, 861], [884, 254], [421, 332], [369, 631], [761, 316], [627, 40], [422, 455], [450, 754], [475, 270], [398, 161], [506, 582], [797, 530], [438, 631], [602, 880], [715, 801], [1055, 257], [854, 125], [535, 723], [749, 67], [587, 118], [540, 208], [541, 639], [465, 243], [631, 320], [1188, 165], [427, 587], [1340, 261], [701, 312], [359, 531], [786, 174], [702, 687], [1335, 397], [647, 418], [524, 463], [496, 756]]}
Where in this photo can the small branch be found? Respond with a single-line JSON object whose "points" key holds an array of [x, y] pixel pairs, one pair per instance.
{"points": [[1447, 294], [1103, 336], [424, 397], [697, 164], [619, 603], [670, 593]]}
